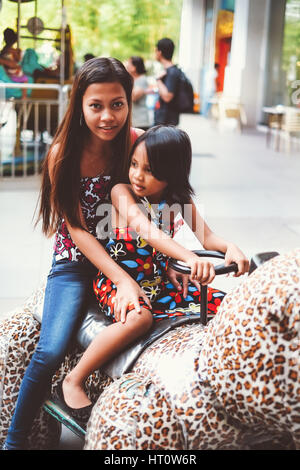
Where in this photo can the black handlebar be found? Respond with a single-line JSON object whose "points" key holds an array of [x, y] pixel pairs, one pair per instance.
{"points": [[220, 269]]}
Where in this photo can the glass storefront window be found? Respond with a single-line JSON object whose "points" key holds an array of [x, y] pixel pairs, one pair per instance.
{"points": [[219, 18]]}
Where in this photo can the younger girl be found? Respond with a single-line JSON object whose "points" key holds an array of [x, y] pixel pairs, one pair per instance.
{"points": [[159, 176]]}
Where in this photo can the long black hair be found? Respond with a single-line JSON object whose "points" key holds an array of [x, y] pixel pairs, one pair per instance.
{"points": [[169, 153], [61, 198]]}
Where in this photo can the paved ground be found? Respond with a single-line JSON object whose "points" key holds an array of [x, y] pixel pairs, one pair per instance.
{"points": [[24, 252], [248, 194]]}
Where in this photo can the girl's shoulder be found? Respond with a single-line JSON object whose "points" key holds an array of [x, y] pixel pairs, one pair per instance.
{"points": [[122, 190], [52, 158], [135, 133]]}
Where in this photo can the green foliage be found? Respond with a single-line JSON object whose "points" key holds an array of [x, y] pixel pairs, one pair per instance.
{"points": [[118, 28], [291, 45]]}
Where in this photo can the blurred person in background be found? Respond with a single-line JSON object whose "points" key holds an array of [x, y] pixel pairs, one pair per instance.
{"points": [[167, 83], [140, 112], [10, 57]]}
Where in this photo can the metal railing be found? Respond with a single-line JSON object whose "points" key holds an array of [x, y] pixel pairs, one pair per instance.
{"points": [[27, 125]]}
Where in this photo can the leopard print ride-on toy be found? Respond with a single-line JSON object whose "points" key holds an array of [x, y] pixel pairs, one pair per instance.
{"points": [[19, 335], [233, 384]]}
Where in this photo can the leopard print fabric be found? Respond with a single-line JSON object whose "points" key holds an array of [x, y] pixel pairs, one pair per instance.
{"points": [[233, 384], [18, 339], [19, 335], [155, 407], [251, 351]]}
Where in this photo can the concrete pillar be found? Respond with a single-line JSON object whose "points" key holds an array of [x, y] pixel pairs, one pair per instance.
{"points": [[274, 91], [234, 70], [244, 77], [191, 44]]}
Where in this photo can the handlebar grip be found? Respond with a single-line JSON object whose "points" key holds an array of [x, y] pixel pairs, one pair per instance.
{"points": [[220, 269]]}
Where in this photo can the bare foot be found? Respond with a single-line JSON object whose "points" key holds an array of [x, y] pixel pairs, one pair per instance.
{"points": [[74, 395]]}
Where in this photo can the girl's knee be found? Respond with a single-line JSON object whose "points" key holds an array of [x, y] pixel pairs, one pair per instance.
{"points": [[49, 358], [143, 320], [147, 318]]}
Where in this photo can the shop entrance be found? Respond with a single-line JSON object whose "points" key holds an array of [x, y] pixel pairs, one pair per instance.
{"points": [[224, 31]]}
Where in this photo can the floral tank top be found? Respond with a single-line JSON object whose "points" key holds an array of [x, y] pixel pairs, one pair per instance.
{"points": [[93, 192]]}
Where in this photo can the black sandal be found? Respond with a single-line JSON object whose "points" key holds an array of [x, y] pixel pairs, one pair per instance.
{"points": [[80, 415]]}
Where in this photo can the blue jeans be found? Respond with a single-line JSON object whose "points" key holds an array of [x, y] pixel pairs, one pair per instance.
{"points": [[68, 286]]}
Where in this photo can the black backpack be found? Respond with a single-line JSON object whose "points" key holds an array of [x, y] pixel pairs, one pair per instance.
{"points": [[183, 100]]}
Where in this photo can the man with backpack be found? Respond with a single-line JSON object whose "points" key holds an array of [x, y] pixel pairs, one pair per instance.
{"points": [[175, 90]]}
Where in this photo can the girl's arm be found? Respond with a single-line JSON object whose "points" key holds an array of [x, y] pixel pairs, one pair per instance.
{"points": [[211, 241], [131, 215], [128, 291]]}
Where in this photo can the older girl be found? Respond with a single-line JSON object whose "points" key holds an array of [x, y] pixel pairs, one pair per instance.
{"points": [[88, 155]]}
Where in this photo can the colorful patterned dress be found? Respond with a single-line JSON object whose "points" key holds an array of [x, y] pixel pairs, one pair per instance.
{"points": [[148, 268]]}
